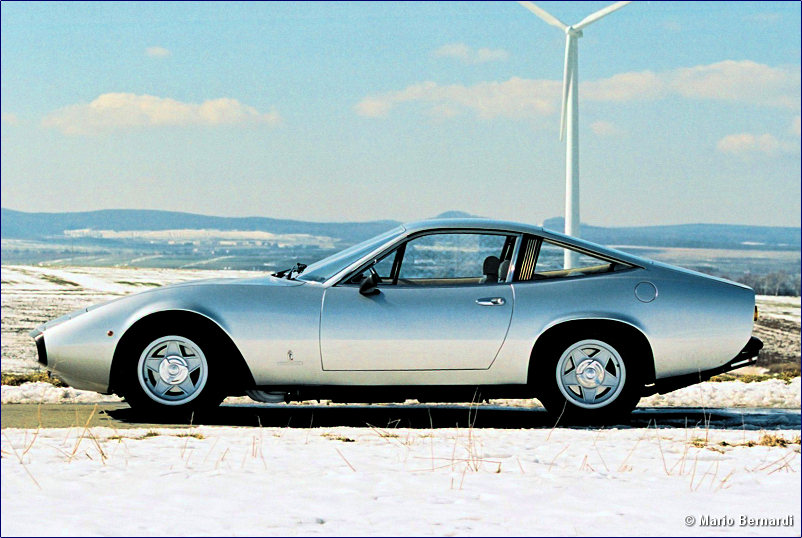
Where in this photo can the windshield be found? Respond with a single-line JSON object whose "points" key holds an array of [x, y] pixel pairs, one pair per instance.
{"points": [[328, 267]]}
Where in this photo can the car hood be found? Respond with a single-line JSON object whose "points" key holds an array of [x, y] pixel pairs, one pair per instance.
{"points": [[254, 281], [267, 280]]}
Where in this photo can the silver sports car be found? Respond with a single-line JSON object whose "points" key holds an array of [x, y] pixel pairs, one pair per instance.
{"points": [[437, 310]]}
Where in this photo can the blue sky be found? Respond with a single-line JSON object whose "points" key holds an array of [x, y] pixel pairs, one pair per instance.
{"points": [[689, 111]]}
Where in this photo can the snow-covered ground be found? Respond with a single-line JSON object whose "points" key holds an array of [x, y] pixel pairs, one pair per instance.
{"points": [[363, 481]]}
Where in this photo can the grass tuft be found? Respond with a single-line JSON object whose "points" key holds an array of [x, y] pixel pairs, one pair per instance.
{"points": [[61, 281], [43, 376], [786, 375], [335, 437], [194, 435]]}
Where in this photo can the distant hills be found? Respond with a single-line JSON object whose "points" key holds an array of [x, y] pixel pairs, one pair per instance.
{"points": [[52, 227], [43, 226], [721, 236]]}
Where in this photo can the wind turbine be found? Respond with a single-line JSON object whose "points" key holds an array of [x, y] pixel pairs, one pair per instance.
{"points": [[569, 118]]}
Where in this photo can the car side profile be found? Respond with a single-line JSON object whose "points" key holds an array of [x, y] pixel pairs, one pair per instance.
{"points": [[436, 310]]}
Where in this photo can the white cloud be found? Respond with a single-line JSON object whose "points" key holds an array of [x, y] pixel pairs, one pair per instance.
{"points": [[632, 86], [748, 145], [606, 128], [157, 52], [795, 127], [739, 81], [113, 111], [742, 82], [9, 119], [466, 55], [513, 98]]}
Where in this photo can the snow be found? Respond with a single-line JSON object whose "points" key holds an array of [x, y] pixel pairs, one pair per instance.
{"points": [[45, 393], [360, 481], [769, 393], [787, 308], [772, 393]]}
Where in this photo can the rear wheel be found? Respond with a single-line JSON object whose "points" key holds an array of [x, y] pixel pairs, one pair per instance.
{"points": [[594, 379], [173, 373]]}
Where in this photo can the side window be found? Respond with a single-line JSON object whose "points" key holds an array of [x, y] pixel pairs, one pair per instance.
{"points": [[549, 261], [384, 267], [455, 259]]}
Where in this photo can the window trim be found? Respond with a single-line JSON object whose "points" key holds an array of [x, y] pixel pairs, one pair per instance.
{"points": [[402, 246], [626, 266]]}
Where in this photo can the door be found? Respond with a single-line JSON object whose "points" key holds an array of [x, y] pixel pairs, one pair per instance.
{"points": [[440, 306]]}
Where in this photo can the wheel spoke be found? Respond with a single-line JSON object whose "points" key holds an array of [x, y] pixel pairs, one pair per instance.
{"points": [[193, 363], [173, 349], [153, 364], [569, 379], [187, 386], [578, 356], [588, 395], [161, 387], [603, 357], [609, 380]]}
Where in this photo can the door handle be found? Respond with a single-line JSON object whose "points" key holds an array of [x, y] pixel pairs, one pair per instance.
{"points": [[490, 301]]}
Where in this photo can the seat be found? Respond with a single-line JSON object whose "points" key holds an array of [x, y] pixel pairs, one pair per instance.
{"points": [[490, 269], [503, 269]]}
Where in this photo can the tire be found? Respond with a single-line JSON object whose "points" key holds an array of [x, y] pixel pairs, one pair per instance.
{"points": [[594, 379], [173, 372]]}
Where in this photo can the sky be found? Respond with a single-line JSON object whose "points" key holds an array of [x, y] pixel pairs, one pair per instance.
{"points": [[689, 111]]}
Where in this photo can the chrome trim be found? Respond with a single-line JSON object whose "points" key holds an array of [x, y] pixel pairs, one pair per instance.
{"points": [[516, 249]]}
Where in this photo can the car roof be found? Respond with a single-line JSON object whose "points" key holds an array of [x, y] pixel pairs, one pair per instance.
{"points": [[477, 223], [470, 224]]}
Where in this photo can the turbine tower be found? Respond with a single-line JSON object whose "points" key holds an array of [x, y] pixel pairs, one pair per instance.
{"points": [[569, 118]]}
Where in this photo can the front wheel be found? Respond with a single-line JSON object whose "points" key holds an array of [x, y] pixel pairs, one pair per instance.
{"points": [[592, 380], [172, 373]]}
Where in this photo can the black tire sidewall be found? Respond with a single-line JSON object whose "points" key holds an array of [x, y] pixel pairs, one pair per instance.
{"points": [[211, 394], [560, 407]]}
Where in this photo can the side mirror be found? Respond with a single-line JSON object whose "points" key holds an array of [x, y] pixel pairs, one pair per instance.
{"points": [[369, 284]]}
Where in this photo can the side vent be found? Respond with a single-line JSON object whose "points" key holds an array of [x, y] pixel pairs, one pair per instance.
{"points": [[529, 257]]}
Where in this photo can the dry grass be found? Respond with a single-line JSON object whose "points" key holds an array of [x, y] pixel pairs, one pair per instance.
{"points": [[42, 376], [787, 375], [767, 439], [194, 435], [337, 437], [60, 281]]}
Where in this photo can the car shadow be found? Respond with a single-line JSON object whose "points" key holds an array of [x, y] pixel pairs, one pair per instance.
{"points": [[419, 416]]}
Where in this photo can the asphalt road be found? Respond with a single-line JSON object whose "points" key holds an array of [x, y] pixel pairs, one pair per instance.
{"points": [[405, 416]]}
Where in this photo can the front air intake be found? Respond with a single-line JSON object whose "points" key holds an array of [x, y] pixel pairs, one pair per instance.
{"points": [[41, 349]]}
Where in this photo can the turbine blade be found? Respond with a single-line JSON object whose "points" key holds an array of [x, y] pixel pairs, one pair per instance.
{"points": [[545, 15], [599, 14], [568, 75]]}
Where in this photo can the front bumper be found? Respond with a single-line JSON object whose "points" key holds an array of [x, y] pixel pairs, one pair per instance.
{"points": [[747, 356]]}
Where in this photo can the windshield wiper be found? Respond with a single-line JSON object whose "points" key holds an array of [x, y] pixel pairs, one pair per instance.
{"points": [[292, 272]]}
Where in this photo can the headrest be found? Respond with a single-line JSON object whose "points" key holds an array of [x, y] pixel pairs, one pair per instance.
{"points": [[490, 267]]}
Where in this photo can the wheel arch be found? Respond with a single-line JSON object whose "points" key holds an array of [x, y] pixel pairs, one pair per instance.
{"points": [[240, 377], [571, 328]]}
